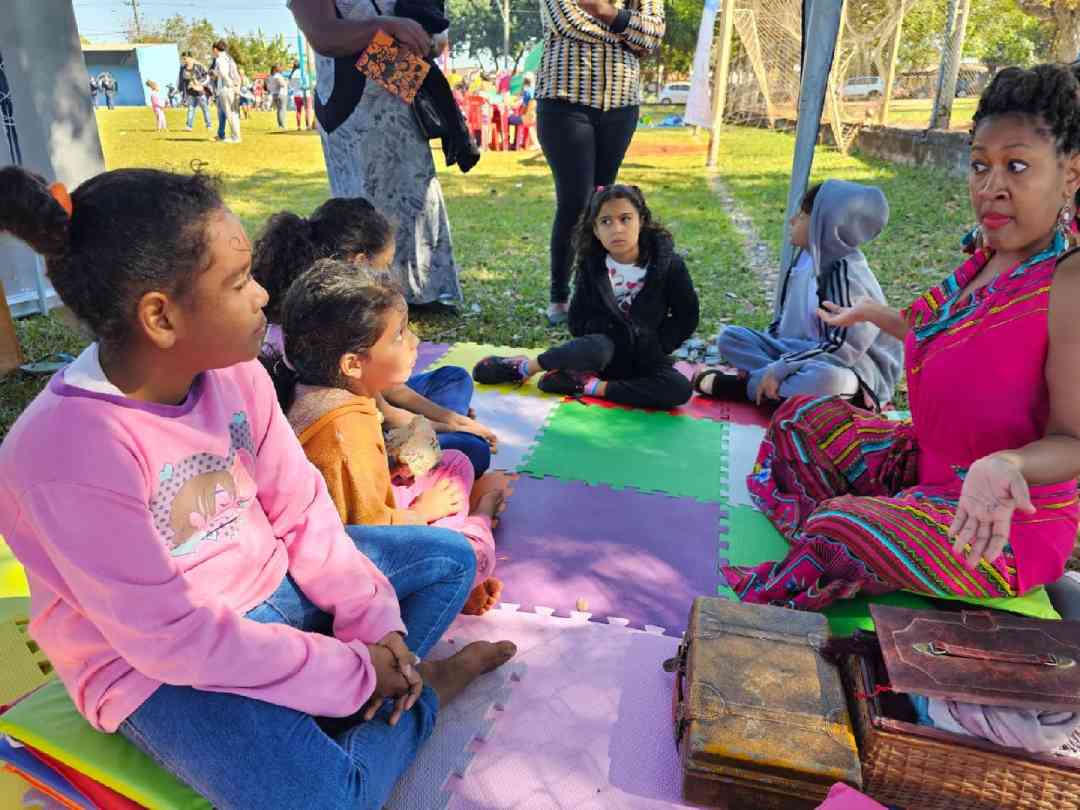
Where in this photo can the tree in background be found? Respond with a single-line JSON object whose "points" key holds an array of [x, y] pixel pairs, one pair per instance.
{"points": [[255, 53], [999, 33], [1065, 16], [477, 29]]}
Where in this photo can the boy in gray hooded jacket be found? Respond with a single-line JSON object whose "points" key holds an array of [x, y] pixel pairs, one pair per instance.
{"points": [[800, 353]]}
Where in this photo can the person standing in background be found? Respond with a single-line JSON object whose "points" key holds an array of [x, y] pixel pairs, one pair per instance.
{"points": [[156, 104], [277, 86], [588, 90], [108, 86], [300, 89], [227, 89], [192, 82]]}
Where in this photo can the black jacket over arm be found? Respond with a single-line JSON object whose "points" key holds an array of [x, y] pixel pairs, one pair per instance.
{"points": [[663, 315]]}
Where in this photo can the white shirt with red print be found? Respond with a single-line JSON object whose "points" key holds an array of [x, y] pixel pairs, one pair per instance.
{"points": [[626, 282]]}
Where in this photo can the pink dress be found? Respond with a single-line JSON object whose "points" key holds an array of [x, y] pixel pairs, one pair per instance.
{"points": [[867, 502]]}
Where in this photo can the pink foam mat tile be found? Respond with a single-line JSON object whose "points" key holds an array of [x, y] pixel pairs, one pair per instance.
{"points": [[588, 726]]}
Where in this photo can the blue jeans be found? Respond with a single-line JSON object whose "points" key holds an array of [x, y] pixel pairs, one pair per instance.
{"points": [[451, 387], [754, 351], [239, 752], [220, 121], [200, 102]]}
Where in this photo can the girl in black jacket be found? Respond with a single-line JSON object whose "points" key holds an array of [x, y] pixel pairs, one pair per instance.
{"points": [[633, 304]]}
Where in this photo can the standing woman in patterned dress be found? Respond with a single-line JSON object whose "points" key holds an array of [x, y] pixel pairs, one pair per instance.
{"points": [[587, 92], [372, 144], [976, 495]]}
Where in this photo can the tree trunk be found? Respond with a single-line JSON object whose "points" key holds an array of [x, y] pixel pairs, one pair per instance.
{"points": [[1067, 41]]}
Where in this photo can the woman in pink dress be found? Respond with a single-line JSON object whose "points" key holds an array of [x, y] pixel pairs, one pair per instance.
{"points": [[976, 495]]}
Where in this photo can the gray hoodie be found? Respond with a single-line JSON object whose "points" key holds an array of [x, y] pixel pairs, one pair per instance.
{"points": [[845, 216]]}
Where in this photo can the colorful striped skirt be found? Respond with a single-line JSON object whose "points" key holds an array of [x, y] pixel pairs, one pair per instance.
{"points": [[841, 484]]}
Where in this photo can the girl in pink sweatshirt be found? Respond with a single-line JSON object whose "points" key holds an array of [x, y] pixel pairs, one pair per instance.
{"points": [[156, 105], [191, 580]]}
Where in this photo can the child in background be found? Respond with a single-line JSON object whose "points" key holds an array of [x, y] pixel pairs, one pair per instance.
{"points": [[352, 230], [191, 581], [156, 104], [633, 304], [800, 354], [347, 340]]}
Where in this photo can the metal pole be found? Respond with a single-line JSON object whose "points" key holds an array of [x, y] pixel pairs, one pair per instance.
{"points": [[720, 78], [821, 34]]}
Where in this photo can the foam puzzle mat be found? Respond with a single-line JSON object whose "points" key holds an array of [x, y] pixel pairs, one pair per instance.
{"points": [[619, 519]]}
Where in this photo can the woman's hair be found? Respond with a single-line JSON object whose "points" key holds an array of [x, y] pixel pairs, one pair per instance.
{"points": [[151, 84], [289, 244], [221, 45], [130, 232], [807, 204], [1047, 93], [332, 309], [588, 248]]}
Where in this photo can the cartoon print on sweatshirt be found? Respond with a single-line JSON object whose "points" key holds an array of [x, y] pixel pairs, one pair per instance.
{"points": [[203, 498]]}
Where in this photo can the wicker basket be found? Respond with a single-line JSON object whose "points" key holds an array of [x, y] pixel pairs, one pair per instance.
{"points": [[921, 768]]}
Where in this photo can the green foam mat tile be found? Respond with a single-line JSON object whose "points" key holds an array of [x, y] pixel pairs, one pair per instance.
{"points": [[849, 615], [49, 721], [647, 451], [468, 355], [752, 539]]}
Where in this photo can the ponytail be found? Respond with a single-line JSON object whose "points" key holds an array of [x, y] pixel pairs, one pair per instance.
{"points": [[285, 379], [283, 250], [31, 214]]}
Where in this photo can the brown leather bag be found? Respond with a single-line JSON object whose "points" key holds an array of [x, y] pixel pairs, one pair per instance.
{"points": [[760, 717]]}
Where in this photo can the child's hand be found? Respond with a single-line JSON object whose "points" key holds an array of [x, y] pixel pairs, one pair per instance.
{"points": [[442, 500], [465, 424], [396, 676], [769, 387], [836, 315]]}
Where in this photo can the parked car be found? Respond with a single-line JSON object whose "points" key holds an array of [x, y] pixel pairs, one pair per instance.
{"points": [[675, 93], [864, 87]]}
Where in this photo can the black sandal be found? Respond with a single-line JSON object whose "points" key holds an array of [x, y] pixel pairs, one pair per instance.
{"points": [[724, 385]]}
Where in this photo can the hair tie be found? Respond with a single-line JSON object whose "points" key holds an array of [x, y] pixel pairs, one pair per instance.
{"points": [[598, 189], [58, 191]]}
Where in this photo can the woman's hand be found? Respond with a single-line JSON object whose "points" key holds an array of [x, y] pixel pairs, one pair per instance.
{"points": [[408, 32], [445, 498], [859, 312], [993, 489], [456, 423], [396, 676], [601, 10]]}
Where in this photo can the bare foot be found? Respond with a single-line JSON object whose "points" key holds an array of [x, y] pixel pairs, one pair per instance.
{"points": [[483, 597], [489, 482], [450, 676], [491, 503]]}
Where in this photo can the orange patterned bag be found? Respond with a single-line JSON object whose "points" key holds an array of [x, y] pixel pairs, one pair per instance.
{"points": [[395, 68]]}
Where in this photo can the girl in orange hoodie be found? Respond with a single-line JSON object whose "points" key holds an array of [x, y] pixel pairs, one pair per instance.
{"points": [[347, 340]]}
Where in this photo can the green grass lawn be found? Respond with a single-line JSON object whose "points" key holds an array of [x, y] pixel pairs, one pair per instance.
{"points": [[501, 217]]}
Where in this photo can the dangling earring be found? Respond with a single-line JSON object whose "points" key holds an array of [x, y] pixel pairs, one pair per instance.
{"points": [[1064, 224]]}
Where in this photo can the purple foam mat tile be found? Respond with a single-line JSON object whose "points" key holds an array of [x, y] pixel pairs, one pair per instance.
{"points": [[625, 553], [594, 734], [428, 353], [516, 421]]}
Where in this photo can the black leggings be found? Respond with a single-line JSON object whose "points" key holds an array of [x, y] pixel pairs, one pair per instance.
{"points": [[584, 146], [663, 387]]}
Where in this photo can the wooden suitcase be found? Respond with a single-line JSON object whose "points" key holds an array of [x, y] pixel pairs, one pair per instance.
{"points": [[760, 717]]}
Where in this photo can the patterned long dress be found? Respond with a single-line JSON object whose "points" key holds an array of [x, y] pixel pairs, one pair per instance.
{"points": [[866, 502], [379, 153]]}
